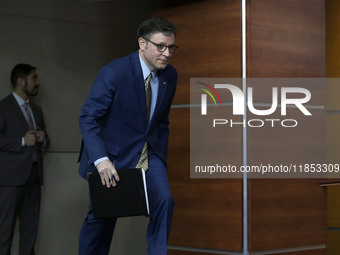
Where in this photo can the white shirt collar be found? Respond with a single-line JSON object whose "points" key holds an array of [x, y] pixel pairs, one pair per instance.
{"points": [[145, 69], [19, 99]]}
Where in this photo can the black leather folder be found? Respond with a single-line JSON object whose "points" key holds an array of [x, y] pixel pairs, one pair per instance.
{"points": [[127, 198]]}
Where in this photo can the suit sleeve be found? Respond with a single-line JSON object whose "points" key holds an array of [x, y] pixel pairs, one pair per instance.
{"points": [[44, 146], [93, 113], [10, 144]]}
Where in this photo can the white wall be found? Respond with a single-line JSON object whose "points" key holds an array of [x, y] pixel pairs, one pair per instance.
{"points": [[68, 41]]}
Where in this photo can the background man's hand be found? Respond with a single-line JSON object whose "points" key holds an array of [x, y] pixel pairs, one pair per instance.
{"points": [[30, 138], [108, 173], [40, 135]]}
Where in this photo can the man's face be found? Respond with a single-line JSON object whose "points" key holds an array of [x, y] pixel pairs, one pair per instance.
{"points": [[31, 84], [153, 58]]}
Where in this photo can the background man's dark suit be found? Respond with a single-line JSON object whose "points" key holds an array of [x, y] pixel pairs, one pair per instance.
{"points": [[20, 178], [15, 160]]}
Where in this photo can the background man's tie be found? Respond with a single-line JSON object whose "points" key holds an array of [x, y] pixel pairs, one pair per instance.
{"points": [[31, 126], [143, 160]]}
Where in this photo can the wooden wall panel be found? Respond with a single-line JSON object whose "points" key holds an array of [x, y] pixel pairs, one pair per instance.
{"points": [[178, 252], [309, 252], [333, 118], [333, 38], [210, 146], [333, 242], [286, 213], [208, 39], [263, 89], [333, 206], [333, 138], [286, 39], [278, 145], [208, 212], [333, 57], [333, 94]]}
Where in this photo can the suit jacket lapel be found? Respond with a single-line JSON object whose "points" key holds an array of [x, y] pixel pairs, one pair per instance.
{"points": [[139, 83], [162, 87], [140, 92], [19, 112], [35, 115], [140, 87]]}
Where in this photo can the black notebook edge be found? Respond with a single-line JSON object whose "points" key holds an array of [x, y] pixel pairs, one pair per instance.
{"points": [[144, 184], [145, 191]]}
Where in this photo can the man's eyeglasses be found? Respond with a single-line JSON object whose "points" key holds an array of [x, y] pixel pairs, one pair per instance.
{"points": [[162, 47]]}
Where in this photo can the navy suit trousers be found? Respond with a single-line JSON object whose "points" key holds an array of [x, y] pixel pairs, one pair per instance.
{"points": [[23, 202], [96, 234]]}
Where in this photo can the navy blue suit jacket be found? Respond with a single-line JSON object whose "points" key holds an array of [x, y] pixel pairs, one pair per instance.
{"points": [[113, 119]]}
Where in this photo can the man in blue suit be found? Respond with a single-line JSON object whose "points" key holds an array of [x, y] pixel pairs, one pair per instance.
{"points": [[124, 124]]}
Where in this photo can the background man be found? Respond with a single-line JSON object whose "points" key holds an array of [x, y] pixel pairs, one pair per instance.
{"points": [[124, 124], [22, 140]]}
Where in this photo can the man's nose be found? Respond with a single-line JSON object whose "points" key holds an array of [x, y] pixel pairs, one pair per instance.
{"points": [[167, 52]]}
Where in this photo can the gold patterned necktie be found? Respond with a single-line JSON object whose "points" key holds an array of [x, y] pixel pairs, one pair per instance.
{"points": [[29, 116], [143, 160], [148, 96]]}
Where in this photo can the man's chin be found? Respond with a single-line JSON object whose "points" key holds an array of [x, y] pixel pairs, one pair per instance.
{"points": [[33, 94], [162, 66]]}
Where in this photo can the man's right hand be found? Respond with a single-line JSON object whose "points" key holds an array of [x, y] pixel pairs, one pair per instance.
{"points": [[108, 173], [30, 138]]}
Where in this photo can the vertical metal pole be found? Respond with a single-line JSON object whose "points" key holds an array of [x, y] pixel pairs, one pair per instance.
{"points": [[244, 133]]}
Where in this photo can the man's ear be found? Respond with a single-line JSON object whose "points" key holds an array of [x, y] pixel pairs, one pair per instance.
{"points": [[20, 82], [141, 43]]}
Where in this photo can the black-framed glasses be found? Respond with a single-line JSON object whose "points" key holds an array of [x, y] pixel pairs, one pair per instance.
{"points": [[162, 47]]}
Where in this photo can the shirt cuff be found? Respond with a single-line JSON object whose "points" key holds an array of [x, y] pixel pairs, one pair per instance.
{"points": [[100, 160], [23, 142]]}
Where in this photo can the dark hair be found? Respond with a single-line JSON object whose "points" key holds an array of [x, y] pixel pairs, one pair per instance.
{"points": [[155, 25], [20, 71]]}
